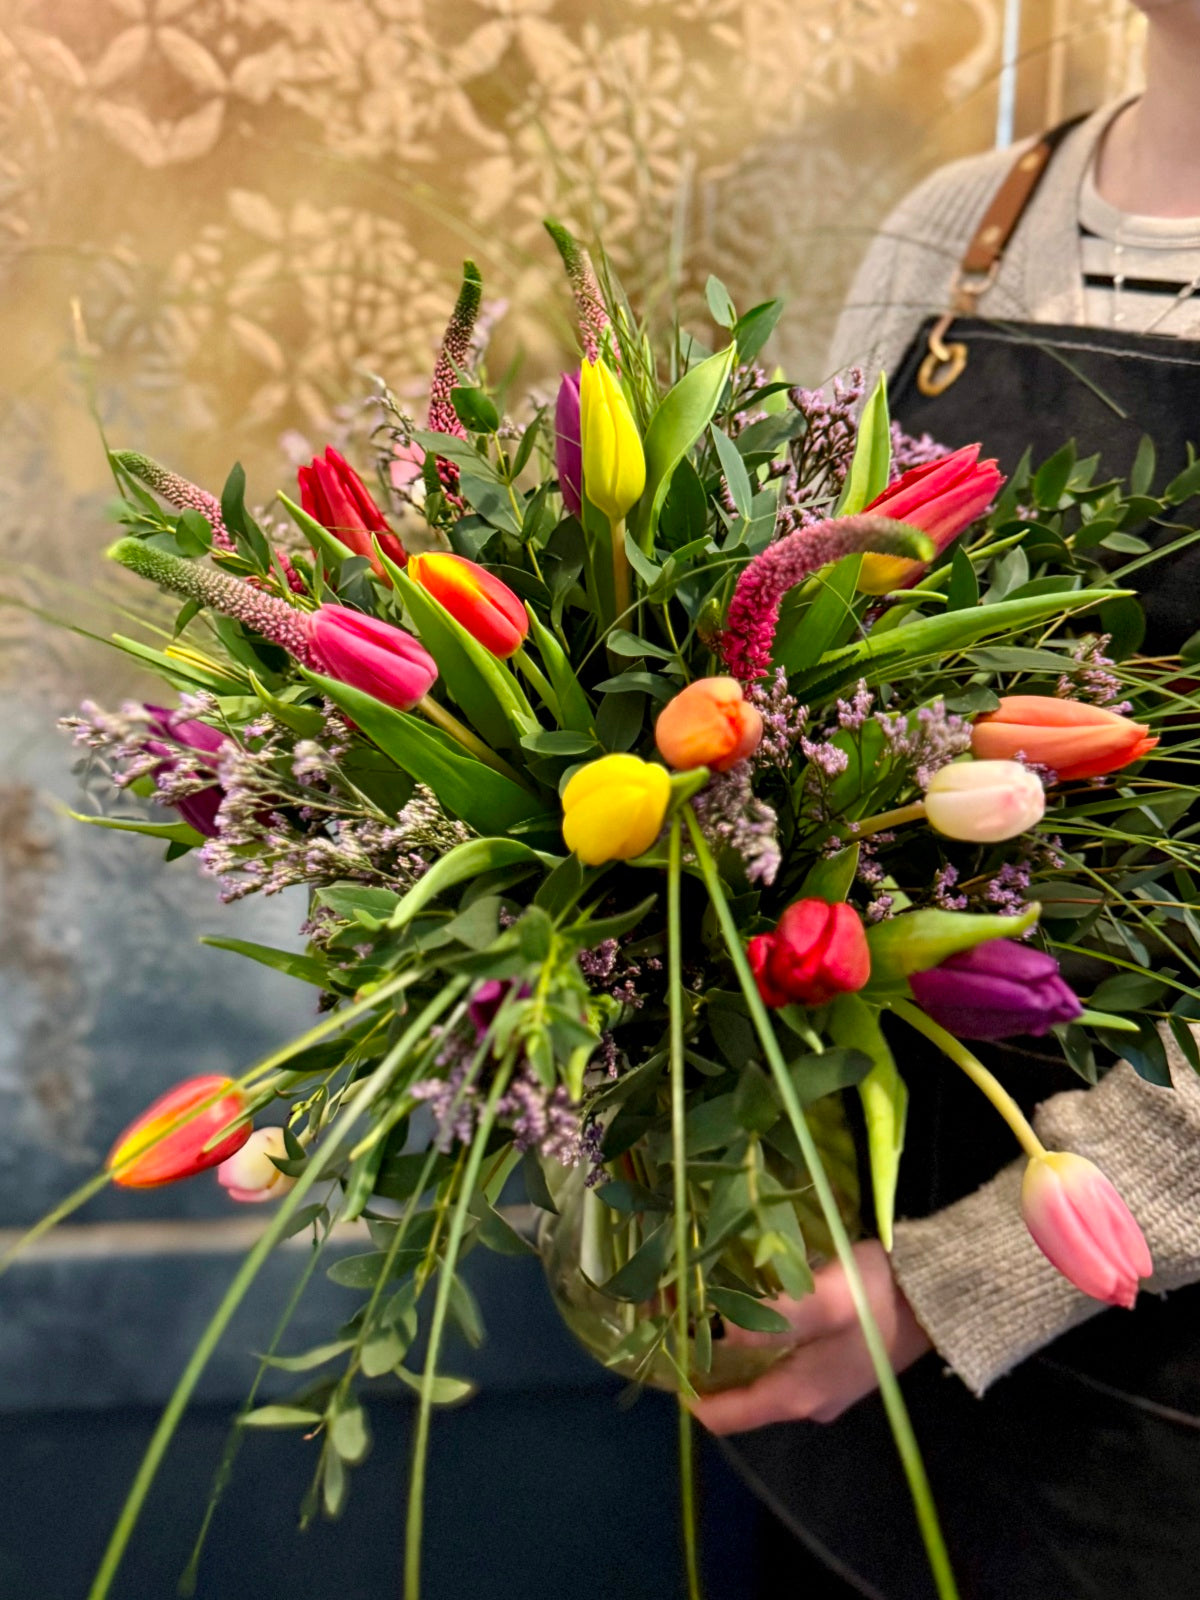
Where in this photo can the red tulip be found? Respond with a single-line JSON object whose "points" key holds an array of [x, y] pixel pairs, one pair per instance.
{"points": [[334, 494], [708, 724], [817, 951], [371, 655], [474, 597], [1073, 739], [942, 498], [148, 1154], [1082, 1226]]}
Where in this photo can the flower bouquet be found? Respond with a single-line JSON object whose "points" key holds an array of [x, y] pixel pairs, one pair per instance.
{"points": [[655, 765]]}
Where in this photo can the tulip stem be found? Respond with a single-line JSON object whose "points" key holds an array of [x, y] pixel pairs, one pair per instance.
{"points": [[888, 819], [620, 563], [457, 730], [537, 678], [889, 1388], [985, 1081]]}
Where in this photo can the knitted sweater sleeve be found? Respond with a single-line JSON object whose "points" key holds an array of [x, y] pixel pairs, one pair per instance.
{"points": [[976, 1281]]}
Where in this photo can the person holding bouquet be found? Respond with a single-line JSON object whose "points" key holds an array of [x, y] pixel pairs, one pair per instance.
{"points": [[1054, 288]]}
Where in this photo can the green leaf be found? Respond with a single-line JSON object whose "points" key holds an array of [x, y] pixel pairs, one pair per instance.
{"points": [[682, 416], [884, 1097], [752, 330], [746, 1312], [719, 303], [360, 1271], [500, 1236], [280, 1417], [349, 1435], [734, 468], [805, 633], [638, 1278], [820, 1074], [325, 544], [483, 798], [622, 1194], [832, 877], [573, 703], [290, 962], [1051, 478], [316, 1357], [915, 941], [1127, 991], [963, 593], [488, 692], [623, 643], [871, 465], [176, 832], [560, 742], [466, 861], [180, 672], [306, 721], [1146, 1054], [445, 1391], [1141, 474], [474, 409]]}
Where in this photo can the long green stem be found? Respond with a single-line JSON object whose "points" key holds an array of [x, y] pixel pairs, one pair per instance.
{"points": [[246, 1273], [449, 723], [979, 1075], [893, 1400], [620, 565], [414, 1527], [889, 819], [679, 1163]]}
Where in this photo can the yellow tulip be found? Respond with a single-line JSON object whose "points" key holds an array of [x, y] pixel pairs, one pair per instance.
{"points": [[613, 808], [614, 465]]}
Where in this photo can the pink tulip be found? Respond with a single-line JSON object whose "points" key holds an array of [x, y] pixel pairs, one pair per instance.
{"points": [[1082, 1226], [942, 498], [371, 655]]}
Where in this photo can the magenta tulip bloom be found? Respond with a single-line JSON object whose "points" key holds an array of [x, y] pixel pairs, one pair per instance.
{"points": [[173, 730], [568, 448], [371, 655], [1082, 1226], [994, 991]]}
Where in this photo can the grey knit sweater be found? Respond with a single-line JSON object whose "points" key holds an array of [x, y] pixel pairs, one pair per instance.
{"points": [[976, 1281]]}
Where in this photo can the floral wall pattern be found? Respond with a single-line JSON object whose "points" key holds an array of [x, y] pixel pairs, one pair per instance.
{"points": [[218, 218]]}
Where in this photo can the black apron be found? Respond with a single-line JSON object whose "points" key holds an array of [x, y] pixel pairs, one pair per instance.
{"points": [[1077, 1477]]}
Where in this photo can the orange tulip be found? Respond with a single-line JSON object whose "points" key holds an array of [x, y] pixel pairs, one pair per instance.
{"points": [[167, 1141], [474, 597], [1073, 739], [708, 724]]}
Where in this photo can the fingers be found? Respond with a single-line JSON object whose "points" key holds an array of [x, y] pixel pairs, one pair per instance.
{"points": [[778, 1396]]}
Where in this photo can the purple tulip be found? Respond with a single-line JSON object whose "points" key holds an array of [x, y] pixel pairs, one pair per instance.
{"points": [[199, 809], [568, 449], [996, 990]]}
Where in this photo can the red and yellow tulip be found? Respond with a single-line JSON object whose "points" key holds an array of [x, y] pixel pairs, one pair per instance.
{"points": [[167, 1142]]}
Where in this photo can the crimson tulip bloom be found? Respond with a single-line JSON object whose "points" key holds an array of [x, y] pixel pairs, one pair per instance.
{"points": [[336, 497], [474, 597], [153, 1151], [371, 655], [568, 445], [1082, 1226], [708, 724], [817, 951], [942, 498], [1073, 739]]}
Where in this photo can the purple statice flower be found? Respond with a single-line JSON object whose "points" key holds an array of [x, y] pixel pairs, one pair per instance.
{"points": [[925, 740], [909, 451], [454, 1104], [853, 713], [1090, 679], [598, 964], [879, 909], [783, 718], [943, 893], [731, 815], [1007, 891], [608, 1055], [825, 755]]}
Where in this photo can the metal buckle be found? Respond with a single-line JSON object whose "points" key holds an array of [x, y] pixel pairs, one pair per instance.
{"points": [[944, 363]]}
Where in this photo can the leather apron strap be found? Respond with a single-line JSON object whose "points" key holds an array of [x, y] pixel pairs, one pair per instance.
{"points": [[981, 261]]}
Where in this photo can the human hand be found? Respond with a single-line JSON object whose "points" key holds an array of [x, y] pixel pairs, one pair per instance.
{"points": [[830, 1367]]}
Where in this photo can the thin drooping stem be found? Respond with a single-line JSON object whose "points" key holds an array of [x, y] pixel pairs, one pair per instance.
{"points": [[893, 1400], [368, 1090], [979, 1075], [687, 1486], [414, 1526]]}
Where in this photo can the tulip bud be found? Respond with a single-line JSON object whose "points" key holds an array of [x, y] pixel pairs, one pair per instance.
{"points": [[474, 597], [1082, 1226], [250, 1175], [173, 729], [984, 801], [335, 496], [942, 498], [154, 1151], [1073, 739], [613, 808], [708, 724], [614, 466], [371, 655], [568, 450], [818, 950], [994, 991]]}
